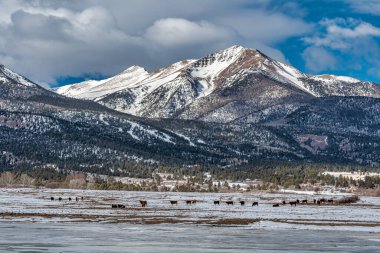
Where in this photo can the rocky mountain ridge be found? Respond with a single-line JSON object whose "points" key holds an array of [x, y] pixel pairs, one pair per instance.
{"points": [[193, 89]]}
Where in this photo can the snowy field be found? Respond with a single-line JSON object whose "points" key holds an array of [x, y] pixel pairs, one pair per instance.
{"points": [[31, 222], [34, 205]]}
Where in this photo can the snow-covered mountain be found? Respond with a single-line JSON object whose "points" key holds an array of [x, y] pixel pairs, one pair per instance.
{"points": [[196, 89], [229, 108]]}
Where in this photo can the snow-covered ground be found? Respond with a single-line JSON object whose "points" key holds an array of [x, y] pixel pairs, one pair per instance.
{"points": [[35, 205]]}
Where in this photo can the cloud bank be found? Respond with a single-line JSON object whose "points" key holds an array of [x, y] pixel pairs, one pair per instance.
{"points": [[45, 40]]}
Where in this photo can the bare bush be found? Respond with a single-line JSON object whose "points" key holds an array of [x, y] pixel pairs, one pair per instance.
{"points": [[7, 178], [348, 200], [25, 180]]}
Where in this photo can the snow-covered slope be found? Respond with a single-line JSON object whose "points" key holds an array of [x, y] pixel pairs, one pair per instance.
{"points": [[93, 89], [15, 86], [7, 75], [194, 87], [330, 85]]}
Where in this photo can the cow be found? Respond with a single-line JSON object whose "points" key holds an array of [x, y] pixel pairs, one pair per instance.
{"points": [[114, 206], [60, 199], [143, 203], [51, 198], [194, 201], [298, 201], [76, 199], [229, 203], [322, 200], [284, 202], [173, 202], [188, 202], [330, 201], [120, 206], [318, 202], [276, 205], [242, 202], [315, 201], [81, 198], [255, 203], [216, 202], [69, 199], [293, 203], [304, 201]]}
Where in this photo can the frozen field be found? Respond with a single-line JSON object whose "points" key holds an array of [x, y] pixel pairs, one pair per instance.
{"points": [[125, 237], [31, 222]]}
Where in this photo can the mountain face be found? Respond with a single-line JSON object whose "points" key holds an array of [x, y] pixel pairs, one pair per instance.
{"points": [[233, 84], [14, 86], [232, 108]]}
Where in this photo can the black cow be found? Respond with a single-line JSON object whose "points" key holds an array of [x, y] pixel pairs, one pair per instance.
{"points": [[229, 203], [293, 203], [255, 203], [143, 203], [173, 202], [242, 203], [188, 202], [276, 205], [216, 202], [51, 198]]}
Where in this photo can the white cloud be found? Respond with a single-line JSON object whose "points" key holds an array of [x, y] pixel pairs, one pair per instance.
{"points": [[365, 6], [175, 31], [265, 26], [362, 29], [319, 59], [339, 33]]}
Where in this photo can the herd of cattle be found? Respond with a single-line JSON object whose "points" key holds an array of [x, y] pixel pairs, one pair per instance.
{"points": [[69, 199], [144, 203]]}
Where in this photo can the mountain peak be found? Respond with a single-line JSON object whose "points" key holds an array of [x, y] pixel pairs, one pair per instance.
{"points": [[328, 77], [134, 68], [235, 48], [7, 75]]}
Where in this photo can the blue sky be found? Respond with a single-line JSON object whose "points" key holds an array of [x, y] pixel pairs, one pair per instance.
{"points": [[56, 42]]}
